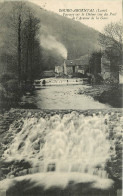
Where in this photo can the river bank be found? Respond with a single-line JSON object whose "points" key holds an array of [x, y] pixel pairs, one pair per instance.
{"points": [[11, 92], [108, 94]]}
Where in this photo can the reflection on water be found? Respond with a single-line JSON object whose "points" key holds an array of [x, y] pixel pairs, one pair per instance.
{"points": [[63, 97]]}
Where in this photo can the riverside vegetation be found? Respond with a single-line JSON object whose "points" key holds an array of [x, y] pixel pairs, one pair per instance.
{"points": [[109, 94]]}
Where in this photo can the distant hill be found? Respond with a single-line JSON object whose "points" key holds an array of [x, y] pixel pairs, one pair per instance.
{"points": [[78, 38], [60, 37]]}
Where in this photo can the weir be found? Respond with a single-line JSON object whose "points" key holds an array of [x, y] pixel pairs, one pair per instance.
{"points": [[63, 149]]}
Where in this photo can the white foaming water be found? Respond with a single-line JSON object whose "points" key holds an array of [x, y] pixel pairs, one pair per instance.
{"points": [[72, 144], [56, 179]]}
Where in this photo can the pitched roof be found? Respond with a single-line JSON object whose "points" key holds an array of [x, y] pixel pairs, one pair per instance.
{"points": [[82, 61]]}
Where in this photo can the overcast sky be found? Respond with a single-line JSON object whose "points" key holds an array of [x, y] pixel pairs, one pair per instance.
{"points": [[113, 6]]}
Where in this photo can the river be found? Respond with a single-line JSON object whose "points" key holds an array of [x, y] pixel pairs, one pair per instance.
{"points": [[63, 97], [54, 151]]}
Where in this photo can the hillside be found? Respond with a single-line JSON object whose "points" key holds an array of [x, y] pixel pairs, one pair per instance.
{"points": [[77, 37], [59, 36]]}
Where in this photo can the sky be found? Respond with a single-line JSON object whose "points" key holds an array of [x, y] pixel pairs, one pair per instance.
{"points": [[112, 7]]}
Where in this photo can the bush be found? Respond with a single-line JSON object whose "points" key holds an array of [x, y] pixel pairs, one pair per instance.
{"points": [[6, 77], [2, 92], [10, 92], [12, 86]]}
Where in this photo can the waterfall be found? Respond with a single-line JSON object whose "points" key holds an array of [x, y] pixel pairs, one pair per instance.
{"points": [[71, 145]]}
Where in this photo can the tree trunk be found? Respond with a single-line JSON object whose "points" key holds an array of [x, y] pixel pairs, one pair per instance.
{"points": [[19, 49], [27, 56]]}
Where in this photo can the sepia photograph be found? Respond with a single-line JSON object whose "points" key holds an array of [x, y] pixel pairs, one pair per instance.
{"points": [[61, 97]]}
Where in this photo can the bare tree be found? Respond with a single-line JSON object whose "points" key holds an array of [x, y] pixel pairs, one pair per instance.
{"points": [[111, 39]]}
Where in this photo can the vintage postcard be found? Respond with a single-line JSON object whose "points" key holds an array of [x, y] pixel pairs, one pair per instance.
{"points": [[61, 87]]}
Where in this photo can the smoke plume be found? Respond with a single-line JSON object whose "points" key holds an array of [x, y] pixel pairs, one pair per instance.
{"points": [[50, 43]]}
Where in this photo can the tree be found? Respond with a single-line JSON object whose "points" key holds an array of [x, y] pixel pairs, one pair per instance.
{"points": [[95, 62], [22, 41], [111, 40], [31, 45], [16, 25]]}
